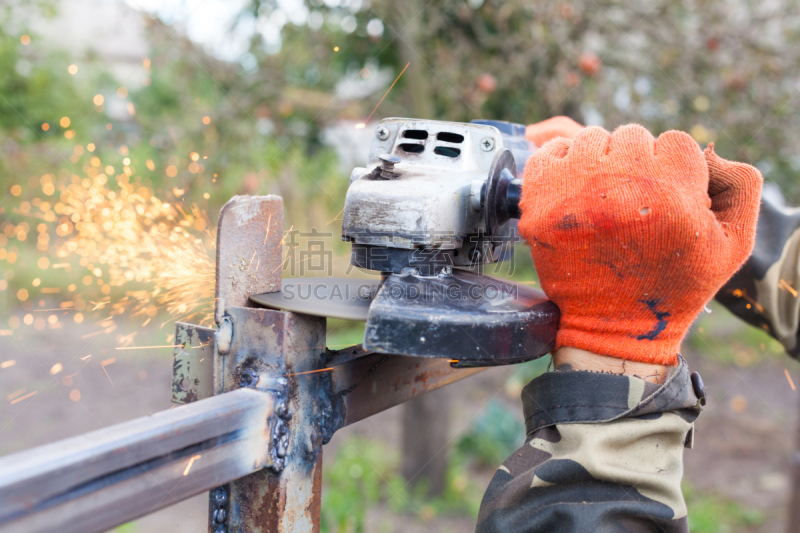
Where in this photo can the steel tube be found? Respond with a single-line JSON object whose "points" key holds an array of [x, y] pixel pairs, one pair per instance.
{"points": [[101, 479]]}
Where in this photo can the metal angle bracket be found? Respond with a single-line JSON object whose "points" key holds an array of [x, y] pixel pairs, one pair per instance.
{"points": [[281, 353], [269, 351], [192, 364]]}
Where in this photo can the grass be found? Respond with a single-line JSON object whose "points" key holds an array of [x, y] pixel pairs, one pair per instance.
{"points": [[364, 476], [713, 513]]}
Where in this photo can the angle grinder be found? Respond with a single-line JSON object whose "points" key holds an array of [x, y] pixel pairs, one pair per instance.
{"points": [[436, 202]]}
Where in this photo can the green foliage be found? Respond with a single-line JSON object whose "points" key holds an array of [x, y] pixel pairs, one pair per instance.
{"points": [[362, 474], [712, 513], [344, 333], [35, 88], [493, 436], [237, 152], [722, 71], [363, 478], [720, 336]]}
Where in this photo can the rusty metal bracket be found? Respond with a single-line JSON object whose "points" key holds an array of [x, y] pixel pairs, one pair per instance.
{"points": [[280, 353], [270, 351], [364, 383], [249, 250], [192, 364]]}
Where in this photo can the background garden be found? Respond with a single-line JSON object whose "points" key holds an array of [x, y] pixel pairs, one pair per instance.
{"points": [[125, 126]]}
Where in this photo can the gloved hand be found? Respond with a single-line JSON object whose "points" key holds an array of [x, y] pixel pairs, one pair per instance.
{"points": [[632, 236], [543, 131]]}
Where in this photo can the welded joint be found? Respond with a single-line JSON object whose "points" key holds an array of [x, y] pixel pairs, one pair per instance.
{"points": [[281, 416], [279, 439], [218, 509], [332, 409]]}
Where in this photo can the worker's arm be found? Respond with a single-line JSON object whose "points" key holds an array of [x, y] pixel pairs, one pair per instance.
{"points": [[631, 236], [764, 292], [602, 452]]}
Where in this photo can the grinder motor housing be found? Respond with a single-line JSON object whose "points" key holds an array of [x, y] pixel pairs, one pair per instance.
{"points": [[422, 199]]}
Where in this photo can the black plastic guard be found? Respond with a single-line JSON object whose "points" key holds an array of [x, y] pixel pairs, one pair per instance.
{"points": [[472, 319]]}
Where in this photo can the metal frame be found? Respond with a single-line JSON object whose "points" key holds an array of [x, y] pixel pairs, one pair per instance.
{"points": [[262, 394]]}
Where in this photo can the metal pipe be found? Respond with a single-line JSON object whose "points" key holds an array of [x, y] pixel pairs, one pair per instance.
{"points": [[101, 479]]}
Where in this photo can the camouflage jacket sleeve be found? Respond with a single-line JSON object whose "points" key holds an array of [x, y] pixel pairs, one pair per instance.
{"points": [[764, 292], [602, 453]]}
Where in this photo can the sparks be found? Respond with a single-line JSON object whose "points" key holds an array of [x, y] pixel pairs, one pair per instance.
{"points": [[329, 369], [336, 217], [149, 347], [104, 364], [125, 236], [266, 236], [21, 398], [192, 459], [15, 394], [386, 93], [788, 287], [788, 377]]}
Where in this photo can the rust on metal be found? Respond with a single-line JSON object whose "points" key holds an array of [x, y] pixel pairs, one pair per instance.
{"points": [[278, 352], [192, 364], [365, 383], [249, 250]]}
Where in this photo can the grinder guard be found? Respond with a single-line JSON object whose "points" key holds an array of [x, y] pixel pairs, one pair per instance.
{"points": [[472, 319]]}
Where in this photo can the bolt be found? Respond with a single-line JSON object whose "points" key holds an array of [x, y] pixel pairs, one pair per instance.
{"points": [[224, 335], [388, 161], [219, 516], [487, 144], [382, 133], [221, 496]]}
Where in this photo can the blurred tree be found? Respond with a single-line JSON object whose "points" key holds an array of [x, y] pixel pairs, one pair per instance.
{"points": [[724, 71]]}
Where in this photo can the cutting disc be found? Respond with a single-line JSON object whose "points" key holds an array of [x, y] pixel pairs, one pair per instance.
{"points": [[346, 298]]}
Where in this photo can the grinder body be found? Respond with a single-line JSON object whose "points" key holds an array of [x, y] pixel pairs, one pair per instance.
{"points": [[436, 201]]}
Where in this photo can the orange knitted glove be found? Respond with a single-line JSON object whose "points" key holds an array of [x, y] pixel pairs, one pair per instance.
{"points": [[543, 131], [632, 236]]}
